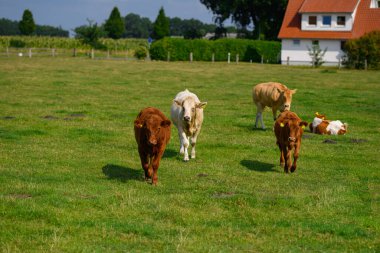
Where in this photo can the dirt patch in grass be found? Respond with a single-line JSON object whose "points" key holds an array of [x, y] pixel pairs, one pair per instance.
{"points": [[223, 195], [49, 117], [358, 140], [19, 196], [8, 117], [328, 141]]}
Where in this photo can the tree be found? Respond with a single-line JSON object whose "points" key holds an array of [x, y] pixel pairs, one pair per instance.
{"points": [[89, 35], [114, 26], [137, 27], [161, 26], [27, 25], [265, 15], [316, 54]]}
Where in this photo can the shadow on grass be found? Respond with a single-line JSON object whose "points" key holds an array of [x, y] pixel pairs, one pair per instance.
{"points": [[258, 166], [169, 153], [121, 173]]}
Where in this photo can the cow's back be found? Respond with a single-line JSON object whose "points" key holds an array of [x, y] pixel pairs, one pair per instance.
{"points": [[267, 94]]}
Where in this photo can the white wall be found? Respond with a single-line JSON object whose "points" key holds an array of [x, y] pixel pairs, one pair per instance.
{"points": [[299, 54], [319, 27]]}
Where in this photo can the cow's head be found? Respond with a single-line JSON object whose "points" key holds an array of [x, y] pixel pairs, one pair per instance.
{"points": [[343, 129], [320, 116], [294, 129], [286, 98], [189, 109], [152, 128]]}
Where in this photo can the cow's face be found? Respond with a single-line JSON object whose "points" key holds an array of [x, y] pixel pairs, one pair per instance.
{"points": [[189, 109], [286, 97], [152, 128], [294, 129]]}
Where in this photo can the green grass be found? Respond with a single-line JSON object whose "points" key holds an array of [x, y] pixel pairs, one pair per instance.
{"points": [[71, 179]]}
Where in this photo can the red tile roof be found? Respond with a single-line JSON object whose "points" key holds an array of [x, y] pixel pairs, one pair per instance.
{"points": [[340, 6], [366, 20]]}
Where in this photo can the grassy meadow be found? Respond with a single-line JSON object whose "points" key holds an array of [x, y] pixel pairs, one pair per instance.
{"points": [[71, 181]]}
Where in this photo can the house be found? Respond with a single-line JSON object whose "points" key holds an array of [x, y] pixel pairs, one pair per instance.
{"points": [[326, 23]]}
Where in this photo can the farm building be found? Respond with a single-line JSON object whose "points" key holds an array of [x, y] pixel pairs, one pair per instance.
{"points": [[326, 23]]}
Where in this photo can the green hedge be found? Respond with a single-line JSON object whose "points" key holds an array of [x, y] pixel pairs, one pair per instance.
{"points": [[248, 50], [68, 43]]}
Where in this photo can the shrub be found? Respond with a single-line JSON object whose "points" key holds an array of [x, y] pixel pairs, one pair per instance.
{"points": [[248, 50], [141, 53], [364, 48]]}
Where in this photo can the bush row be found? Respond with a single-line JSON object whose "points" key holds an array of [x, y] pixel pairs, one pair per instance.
{"points": [[68, 43], [203, 50]]}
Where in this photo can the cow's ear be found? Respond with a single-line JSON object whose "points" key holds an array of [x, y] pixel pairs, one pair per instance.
{"points": [[177, 102], [139, 123], [202, 105], [280, 91], [303, 124], [166, 123], [293, 91]]}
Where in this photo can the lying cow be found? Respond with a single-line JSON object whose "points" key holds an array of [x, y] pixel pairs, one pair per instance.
{"points": [[187, 116], [321, 125], [275, 95], [152, 133], [288, 129]]}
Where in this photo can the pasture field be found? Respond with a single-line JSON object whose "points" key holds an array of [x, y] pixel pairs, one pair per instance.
{"points": [[71, 181]]}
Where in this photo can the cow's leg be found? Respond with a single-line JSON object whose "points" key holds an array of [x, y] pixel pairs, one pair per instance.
{"points": [[274, 111], [259, 116], [155, 164], [282, 159], [181, 148], [295, 156], [193, 140], [184, 144], [288, 160], [145, 163]]}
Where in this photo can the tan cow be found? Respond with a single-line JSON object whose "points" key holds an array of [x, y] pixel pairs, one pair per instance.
{"points": [[275, 95], [187, 116]]}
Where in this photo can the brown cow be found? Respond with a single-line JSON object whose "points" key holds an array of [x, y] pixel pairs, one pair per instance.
{"points": [[152, 133], [288, 129], [275, 95]]}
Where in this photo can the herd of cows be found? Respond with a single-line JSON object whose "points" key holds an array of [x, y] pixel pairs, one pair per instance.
{"points": [[153, 129]]}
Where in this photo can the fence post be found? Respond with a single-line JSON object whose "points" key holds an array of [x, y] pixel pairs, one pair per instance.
{"points": [[74, 52], [168, 58], [53, 52], [237, 58], [365, 64], [213, 57], [92, 53], [287, 60], [339, 63], [191, 56], [7, 51], [262, 59], [108, 54], [30, 53], [229, 58]]}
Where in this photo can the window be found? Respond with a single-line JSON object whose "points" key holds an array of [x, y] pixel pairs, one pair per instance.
{"points": [[326, 20], [296, 42], [312, 20], [315, 42], [342, 44], [341, 20]]}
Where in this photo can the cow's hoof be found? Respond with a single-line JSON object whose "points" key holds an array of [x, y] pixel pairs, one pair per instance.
{"points": [[292, 169]]}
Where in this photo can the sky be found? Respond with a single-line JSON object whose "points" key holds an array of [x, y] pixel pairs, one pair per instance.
{"points": [[70, 14]]}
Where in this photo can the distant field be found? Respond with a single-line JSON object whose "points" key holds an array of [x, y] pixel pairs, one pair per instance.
{"points": [[71, 180]]}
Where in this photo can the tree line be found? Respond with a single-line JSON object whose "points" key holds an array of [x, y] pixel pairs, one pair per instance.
{"points": [[130, 26]]}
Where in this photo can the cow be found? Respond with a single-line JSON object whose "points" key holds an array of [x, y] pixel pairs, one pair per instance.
{"points": [[152, 134], [321, 125], [275, 95], [288, 129], [187, 116], [317, 120]]}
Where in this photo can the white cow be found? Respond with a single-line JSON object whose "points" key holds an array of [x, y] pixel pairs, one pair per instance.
{"points": [[187, 116]]}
